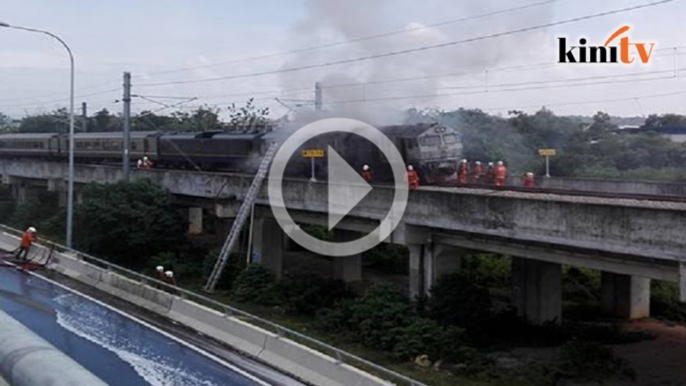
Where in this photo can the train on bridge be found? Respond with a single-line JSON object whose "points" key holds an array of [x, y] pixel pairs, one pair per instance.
{"points": [[433, 149]]}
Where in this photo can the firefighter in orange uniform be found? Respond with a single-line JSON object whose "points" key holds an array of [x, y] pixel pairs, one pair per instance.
{"points": [[412, 177], [462, 171], [367, 174], [528, 180], [26, 240], [500, 174], [478, 170]]}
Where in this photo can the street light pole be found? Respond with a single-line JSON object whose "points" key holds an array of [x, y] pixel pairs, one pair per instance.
{"points": [[70, 194]]}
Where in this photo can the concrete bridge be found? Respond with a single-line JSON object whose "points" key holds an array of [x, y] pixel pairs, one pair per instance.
{"points": [[630, 241]]}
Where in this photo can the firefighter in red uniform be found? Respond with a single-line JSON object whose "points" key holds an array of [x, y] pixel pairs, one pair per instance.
{"points": [[26, 240], [528, 180], [159, 270], [478, 170], [500, 174], [169, 278], [462, 171], [367, 174], [412, 178]]}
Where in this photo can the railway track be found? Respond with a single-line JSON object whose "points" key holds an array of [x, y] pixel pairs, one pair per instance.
{"points": [[509, 188]]}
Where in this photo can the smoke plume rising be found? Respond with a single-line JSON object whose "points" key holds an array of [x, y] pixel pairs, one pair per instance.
{"points": [[329, 21]]}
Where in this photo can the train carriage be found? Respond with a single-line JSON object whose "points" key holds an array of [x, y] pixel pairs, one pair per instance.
{"points": [[209, 149], [43, 145], [109, 146]]}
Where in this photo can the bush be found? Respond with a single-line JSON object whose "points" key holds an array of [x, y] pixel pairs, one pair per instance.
{"points": [[229, 274], [664, 301], [374, 317], [581, 285], [307, 294], [488, 270], [456, 300], [257, 285], [388, 258], [425, 336], [585, 362]]}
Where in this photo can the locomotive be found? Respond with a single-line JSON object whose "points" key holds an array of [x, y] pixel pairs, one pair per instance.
{"points": [[431, 148]]}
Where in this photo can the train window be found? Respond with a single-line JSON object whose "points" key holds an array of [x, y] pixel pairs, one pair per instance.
{"points": [[449, 139], [431, 140]]}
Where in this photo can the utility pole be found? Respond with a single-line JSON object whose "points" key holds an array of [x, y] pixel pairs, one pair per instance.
{"points": [[318, 96], [126, 163], [84, 116]]}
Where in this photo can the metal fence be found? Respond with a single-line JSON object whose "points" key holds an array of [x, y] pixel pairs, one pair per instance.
{"points": [[340, 355]]}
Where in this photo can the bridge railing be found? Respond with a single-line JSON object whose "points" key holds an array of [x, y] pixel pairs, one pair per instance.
{"points": [[340, 355]]}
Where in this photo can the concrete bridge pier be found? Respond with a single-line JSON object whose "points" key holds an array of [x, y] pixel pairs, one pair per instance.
{"points": [[625, 296], [267, 244], [428, 262], [537, 290], [347, 268], [195, 220]]}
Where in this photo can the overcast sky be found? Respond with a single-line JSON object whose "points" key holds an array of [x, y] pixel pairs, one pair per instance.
{"points": [[161, 41]]}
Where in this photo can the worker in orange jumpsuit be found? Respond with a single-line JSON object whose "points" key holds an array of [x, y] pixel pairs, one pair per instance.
{"points": [[367, 174], [499, 174], [478, 170], [26, 240], [412, 177], [528, 180], [462, 171]]}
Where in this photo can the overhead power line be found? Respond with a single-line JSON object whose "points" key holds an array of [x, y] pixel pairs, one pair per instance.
{"points": [[491, 91], [413, 50], [360, 39], [631, 98]]}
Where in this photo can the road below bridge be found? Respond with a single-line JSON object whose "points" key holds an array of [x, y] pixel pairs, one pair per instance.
{"points": [[116, 348]]}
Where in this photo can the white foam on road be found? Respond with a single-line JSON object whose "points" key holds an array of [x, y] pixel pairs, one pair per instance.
{"points": [[96, 324]]}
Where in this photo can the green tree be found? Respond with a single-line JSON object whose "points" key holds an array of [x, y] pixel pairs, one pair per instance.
{"points": [[103, 120], [602, 126], [53, 122], [248, 116], [127, 222], [5, 123]]}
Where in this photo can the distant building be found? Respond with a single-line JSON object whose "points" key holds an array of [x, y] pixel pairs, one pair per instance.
{"points": [[675, 133]]}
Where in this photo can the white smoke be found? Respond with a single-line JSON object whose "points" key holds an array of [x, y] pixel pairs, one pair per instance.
{"points": [[329, 21]]}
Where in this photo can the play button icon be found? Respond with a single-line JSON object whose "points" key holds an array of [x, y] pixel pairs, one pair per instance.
{"points": [[347, 191]]}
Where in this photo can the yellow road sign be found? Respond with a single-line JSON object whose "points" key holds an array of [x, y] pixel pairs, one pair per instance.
{"points": [[313, 153], [547, 152]]}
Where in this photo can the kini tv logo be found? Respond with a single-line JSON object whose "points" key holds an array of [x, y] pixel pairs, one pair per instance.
{"points": [[617, 49]]}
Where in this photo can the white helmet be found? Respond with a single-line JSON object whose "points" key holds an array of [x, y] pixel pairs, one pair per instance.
{"points": [[169, 274], [409, 167], [160, 268], [477, 163], [32, 229], [145, 158], [529, 174], [464, 161], [500, 163], [490, 164], [365, 167]]}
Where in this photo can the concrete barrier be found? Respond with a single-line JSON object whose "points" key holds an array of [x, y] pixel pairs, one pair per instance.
{"points": [[22, 353], [283, 354], [234, 332]]}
